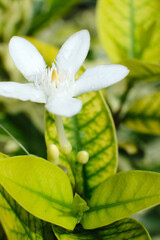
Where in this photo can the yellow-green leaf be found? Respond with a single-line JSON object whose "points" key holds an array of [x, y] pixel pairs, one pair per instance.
{"points": [[18, 223], [124, 229], [2, 155], [40, 187], [141, 71], [144, 115], [130, 29], [120, 196], [48, 51], [91, 130]]}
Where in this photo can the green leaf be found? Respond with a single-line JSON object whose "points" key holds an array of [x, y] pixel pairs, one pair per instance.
{"points": [[141, 71], [79, 206], [130, 29], [120, 196], [48, 51], [45, 11], [124, 229], [2, 155], [40, 187], [18, 223], [91, 130], [144, 115], [2, 233]]}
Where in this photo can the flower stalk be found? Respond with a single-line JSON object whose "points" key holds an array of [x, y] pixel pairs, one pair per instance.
{"points": [[65, 145]]}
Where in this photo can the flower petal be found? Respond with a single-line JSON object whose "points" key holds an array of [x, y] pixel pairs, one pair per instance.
{"points": [[66, 107], [73, 52], [99, 77], [26, 58], [21, 91]]}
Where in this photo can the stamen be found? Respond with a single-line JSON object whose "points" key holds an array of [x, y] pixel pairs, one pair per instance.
{"points": [[55, 77]]}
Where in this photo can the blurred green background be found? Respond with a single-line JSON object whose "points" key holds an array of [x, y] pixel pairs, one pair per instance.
{"points": [[127, 33]]}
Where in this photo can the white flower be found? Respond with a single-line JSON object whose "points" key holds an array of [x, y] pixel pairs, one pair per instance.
{"points": [[56, 87]]}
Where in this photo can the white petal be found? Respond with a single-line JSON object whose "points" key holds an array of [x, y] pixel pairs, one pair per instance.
{"points": [[21, 91], [73, 52], [99, 77], [66, 107], [26, 58]]}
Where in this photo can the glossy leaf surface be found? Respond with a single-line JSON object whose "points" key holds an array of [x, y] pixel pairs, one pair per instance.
{"points": [[125, 229], [130, 29], [120, 196], [40, 187], [2, 155], [18, 223], [91, 130], [144, 115]]}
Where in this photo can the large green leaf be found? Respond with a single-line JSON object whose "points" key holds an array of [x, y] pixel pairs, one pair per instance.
{"points": [[120, 196], [40, 187], [124, 229], [91, 130], [2, 155], [141, 71], [144, 115], [19, 223], [130, 29]]}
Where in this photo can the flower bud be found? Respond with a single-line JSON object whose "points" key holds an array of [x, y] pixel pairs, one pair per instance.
{"points": [[83, 157], [53, 154]]}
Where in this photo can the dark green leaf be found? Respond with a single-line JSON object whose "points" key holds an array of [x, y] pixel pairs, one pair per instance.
{"points": [[125, 229]]}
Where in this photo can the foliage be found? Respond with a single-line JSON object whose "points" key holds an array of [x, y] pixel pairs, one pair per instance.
{"points": [[123, 229], [78, 199], [130, 29]]}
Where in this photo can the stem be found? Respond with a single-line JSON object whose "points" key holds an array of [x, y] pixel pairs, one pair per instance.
{"points": [[5, 130], [63, 141]]}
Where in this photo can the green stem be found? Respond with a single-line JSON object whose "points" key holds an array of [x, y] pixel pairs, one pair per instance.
{"points": [[5, 130]]}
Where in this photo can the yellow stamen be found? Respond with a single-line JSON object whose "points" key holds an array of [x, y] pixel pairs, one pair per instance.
{"points": [[55, 77]]}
